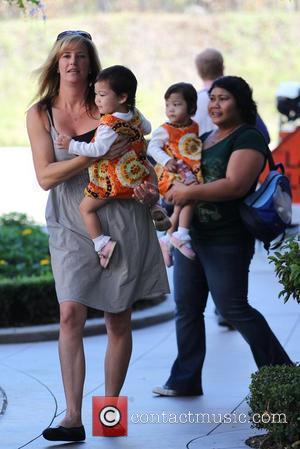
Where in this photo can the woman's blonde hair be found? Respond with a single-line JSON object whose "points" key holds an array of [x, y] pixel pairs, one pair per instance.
{"points": [[49, 79]]}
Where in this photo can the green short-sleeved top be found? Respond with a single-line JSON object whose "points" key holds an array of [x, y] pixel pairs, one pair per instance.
{"points": [[219, 222]]}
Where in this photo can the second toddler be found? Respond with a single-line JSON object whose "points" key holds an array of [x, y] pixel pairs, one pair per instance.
{"points": [[176, 148]]}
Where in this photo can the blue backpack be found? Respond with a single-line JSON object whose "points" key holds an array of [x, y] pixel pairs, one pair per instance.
{"points": [[267, 212]]}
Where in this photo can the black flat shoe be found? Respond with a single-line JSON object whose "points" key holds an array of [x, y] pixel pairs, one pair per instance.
{"points": [[61, 433]]}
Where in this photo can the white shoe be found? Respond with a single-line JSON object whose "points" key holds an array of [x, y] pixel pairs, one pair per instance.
{"points": [[164, 391], [167, 391]]}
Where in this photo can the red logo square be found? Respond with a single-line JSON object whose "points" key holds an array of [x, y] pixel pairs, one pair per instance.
{"points": [[110, 416]]}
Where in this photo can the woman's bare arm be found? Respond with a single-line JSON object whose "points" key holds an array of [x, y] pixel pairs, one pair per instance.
{"points": [[147, 192], [152, 175], [49, 172], [243, 169]]}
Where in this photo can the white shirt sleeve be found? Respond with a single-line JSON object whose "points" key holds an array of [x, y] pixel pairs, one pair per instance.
{"points": [[155, 148], [146, 125], [202, 117], [105, 137]]}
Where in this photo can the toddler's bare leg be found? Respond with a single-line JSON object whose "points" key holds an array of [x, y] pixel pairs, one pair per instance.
{"points": [[186, 215], [181, 238], [88, 208], [103, 244], [174, 219]]}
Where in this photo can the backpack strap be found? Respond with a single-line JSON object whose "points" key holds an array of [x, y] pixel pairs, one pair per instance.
{"points": [[269, 156], [272, 165]]}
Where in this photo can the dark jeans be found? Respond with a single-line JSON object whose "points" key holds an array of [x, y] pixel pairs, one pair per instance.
{"points": [[222, 271]]}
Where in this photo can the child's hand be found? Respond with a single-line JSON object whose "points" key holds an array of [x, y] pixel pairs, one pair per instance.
{"points": [[171, 166], [63, 142]]}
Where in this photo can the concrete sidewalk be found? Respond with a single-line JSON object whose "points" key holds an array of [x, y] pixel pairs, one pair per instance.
{"points": [[30, 377]]}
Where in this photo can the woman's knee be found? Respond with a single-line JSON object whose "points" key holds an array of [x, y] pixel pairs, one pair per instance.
{"points": [[72, 315], [238, 311], [118, 324], [189, 313]]}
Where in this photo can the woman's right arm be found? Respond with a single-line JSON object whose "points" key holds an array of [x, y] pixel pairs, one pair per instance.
{"points": [[49, 172]]}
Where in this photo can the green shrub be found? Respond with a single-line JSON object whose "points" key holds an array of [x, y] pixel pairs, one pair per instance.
{"points": [[28, 300], [287, 268], [275, 390], [23, 247], [27, 289]]}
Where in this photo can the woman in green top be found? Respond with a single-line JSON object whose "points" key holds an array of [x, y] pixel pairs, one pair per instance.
{"points": [[233, 157]]}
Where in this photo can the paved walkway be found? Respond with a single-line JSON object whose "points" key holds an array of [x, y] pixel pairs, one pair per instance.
{"points": [[30, 377], [31, 395]]}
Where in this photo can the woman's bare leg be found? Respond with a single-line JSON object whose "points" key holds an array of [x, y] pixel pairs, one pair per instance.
{"points": [[88, 208], [118, 353], [72, 362]]}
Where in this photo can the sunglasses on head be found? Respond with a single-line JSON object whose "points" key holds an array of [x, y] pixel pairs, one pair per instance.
{"points": [[74, 33]]}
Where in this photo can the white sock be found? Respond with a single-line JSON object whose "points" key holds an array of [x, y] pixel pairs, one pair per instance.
{"points": [[100, 242], [165, 238], [182, 234]]}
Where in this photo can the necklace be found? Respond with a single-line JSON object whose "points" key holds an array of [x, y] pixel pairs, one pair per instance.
{"points": [[215, 136]]}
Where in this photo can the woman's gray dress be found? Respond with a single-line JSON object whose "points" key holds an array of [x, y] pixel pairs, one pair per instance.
{"points": [[136, 269]]}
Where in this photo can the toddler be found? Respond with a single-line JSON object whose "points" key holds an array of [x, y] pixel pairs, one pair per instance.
{"points": [[176, 148], [115, 90]]}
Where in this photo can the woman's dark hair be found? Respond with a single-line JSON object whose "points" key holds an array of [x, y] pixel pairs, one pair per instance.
{"points": [[122, 81], [242, 93], [188, 92]]}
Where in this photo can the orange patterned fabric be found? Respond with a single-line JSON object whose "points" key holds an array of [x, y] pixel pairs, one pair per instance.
{"points": [[183, 144], [116, 178]]}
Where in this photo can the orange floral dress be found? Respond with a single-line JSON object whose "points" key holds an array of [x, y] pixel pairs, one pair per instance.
{"points": [[183, 144], [116, 178]]}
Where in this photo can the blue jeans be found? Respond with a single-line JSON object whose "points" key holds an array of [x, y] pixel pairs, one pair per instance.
{"points": [[222, 271]]}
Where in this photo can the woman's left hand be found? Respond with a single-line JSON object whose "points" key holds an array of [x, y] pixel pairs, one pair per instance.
{"points": [[178, 194], [146, 193]]}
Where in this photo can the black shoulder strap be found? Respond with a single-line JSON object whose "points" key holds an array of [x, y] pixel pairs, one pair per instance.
{"points": [[49, 110], [47, 105]]}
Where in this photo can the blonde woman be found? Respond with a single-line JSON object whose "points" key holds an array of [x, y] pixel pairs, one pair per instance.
{"points": [[66, 106]]}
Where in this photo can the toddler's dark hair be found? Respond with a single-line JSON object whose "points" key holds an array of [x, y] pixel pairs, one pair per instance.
{"points": [[188, 92], [122, 81]]}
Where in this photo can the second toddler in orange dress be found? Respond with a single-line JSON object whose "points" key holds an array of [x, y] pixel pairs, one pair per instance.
{"points": [[176, 148]]}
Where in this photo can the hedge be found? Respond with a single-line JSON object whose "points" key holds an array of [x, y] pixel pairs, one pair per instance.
{"points": [[27, 301]]}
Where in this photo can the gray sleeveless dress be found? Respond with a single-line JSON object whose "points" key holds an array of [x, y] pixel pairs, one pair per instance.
{"points": [[136, 269]]}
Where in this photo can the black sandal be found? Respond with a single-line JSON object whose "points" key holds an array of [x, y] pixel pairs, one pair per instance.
{"points": [[61, 433]]}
